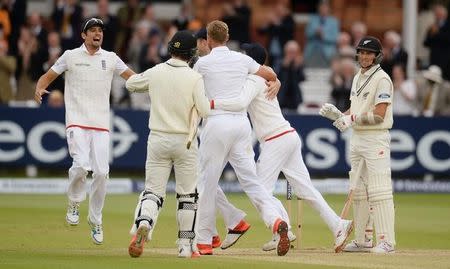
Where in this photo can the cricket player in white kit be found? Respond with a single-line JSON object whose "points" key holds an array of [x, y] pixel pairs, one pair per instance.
{"points": [[175, 89], [370, 117], [280, 150], [88, 72], [226, 136]]}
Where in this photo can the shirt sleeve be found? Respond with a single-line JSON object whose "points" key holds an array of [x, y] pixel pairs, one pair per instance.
{"points": [[138, 82], [251, 64], [200, 100], [384, 92], [60, 66], [251, 90], [120, 66]]}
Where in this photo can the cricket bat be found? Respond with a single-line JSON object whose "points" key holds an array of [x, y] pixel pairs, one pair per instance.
{"points": [[193, 124]]}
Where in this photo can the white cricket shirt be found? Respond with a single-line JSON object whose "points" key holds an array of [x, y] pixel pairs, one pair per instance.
{"points": [[88, 85], [369, 89], [224, 73], [265, 115]]}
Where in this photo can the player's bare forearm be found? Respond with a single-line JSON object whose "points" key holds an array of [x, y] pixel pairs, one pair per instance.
{"points": [[127, 74], [42, 84], [267, 73]]}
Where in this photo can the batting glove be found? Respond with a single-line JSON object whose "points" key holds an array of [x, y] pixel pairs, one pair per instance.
{"points": [[344, 122], [330, 111]]}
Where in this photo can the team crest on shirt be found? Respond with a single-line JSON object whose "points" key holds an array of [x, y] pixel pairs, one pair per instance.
{"points": [[365, 95], [103, 65]]}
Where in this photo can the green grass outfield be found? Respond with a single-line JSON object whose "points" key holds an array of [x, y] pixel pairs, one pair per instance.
{"points": [[33, 234]]}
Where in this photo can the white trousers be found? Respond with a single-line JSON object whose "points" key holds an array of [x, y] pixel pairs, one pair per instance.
{"points": [[375, 185], [228, 137], [165, 150], [89, 150], [283, 154]]}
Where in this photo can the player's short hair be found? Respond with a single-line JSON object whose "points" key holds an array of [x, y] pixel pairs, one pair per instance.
{"points": [[217, 31]]}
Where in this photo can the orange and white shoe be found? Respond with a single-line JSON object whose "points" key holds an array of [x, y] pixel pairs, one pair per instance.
{"points": [[216, 242], [233, 235], [138, 241], [343, 232], [205, 249], [280, 228]]}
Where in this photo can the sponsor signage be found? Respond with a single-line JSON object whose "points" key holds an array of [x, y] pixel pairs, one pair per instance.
{"points": [[37, 136]]}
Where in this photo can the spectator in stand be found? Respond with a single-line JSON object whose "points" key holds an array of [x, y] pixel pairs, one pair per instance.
{"points": [[28, 49], [17, 14], [53, 53], [344, 45], [237, 17], [405, 92], [7, 68], [341, 82], [128, 15], [393, 53], [40, 56], [35, 24], [280, 29], [149, 55], [55, 99], [111, 24], [433, 93], [290, 75], [67, 18], [183, 18], [358, 31], [138, 40], [5, 22], [438, 40], [321, 37]]}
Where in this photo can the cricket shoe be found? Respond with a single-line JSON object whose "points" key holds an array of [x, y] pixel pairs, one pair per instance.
{"points": [[137, 243], [187, 251], [354, 246], [283, 244], [96, 232], [383, 248], [73, 213], [233, 235], [205, 249], [343, 232], [272, 244], [216, 242]]}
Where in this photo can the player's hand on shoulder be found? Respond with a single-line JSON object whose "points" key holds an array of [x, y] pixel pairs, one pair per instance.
{"points": [[273, 87]]}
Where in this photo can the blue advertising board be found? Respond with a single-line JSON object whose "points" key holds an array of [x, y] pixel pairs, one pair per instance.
{"points": [[37, 136]]}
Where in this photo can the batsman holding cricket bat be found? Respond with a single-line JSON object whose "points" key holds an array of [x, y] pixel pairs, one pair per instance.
{"points": [[176, 91], [370, 116]]}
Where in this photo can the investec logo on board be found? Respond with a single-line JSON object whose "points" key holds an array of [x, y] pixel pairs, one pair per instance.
{"points": [[11, 133]]}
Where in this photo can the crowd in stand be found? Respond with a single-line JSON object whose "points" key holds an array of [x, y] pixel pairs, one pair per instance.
{"points": [[31, 43]]}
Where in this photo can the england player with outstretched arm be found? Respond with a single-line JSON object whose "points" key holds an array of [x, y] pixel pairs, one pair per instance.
{"points": [[370, 117], [88, 73]]}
